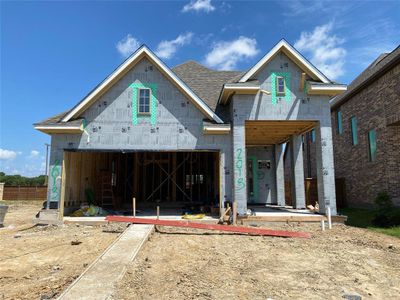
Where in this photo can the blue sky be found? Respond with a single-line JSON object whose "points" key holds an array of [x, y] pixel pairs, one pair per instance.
{"points": [[53, 53]]}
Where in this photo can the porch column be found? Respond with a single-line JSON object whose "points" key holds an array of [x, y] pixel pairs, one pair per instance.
{"points": [[298, 192], [280, 175], [239, 165], [325, 167], [54, 181]]}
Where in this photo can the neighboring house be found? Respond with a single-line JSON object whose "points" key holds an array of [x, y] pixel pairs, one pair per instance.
{"points": [[193, 135], [366, 132]]}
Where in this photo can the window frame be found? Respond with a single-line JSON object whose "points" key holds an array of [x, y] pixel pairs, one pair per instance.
{"points": [[144, 113], [339, 121], [277, 85], [371, 158], [354, 131]]}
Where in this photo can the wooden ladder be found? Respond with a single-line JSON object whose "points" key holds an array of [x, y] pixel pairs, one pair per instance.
{"points": [[107, 195]]}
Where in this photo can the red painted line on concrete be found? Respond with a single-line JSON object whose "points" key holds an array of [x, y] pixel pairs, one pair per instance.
{"points": [[228, 228]]}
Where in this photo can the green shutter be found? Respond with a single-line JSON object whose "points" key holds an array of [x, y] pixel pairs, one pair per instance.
{"points": [[353, 125], [339, 122], [372, 145]]}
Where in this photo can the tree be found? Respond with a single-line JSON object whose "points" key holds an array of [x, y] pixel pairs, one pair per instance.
{"points": [[21, 180]]}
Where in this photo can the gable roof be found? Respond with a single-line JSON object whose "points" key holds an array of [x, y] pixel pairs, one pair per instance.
{"points": [[293, 54], [379, 66], [143, 51], [205, 82]]}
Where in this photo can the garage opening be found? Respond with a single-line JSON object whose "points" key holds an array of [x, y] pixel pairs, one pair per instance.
{"points": [[184, 181]]}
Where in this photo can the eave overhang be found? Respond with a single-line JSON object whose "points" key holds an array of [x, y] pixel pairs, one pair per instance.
{"points": [[59, 129], [220, 129], [331, 89], [230, 89]]}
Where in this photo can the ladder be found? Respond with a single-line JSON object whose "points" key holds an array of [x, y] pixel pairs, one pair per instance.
{"points": [[107, 195]]}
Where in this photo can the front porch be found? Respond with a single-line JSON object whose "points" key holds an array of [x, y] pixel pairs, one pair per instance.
{"points": [[269, 154]]}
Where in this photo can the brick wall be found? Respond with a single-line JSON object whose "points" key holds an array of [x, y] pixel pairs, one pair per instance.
{"points": [[377, 107]]}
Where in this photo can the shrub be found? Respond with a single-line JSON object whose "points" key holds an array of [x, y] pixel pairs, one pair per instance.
{"points": [[386, 215]]}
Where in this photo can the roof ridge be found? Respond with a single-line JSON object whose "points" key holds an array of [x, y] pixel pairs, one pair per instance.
{"points": [[204, 67]]}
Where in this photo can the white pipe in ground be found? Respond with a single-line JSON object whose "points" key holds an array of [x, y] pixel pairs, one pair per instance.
{"points": [[329, 217]]}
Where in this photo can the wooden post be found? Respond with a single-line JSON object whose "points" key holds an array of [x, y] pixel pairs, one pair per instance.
{"points": [[234, 213], [158, 212], [134, 206], [61, 204], [174, 176], [302, 81]]}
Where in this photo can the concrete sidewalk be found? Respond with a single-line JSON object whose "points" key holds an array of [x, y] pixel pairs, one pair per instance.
{"points": [[99, 279]]}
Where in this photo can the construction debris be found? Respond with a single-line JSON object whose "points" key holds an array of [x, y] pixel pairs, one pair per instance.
{"points": [[225, 228], [89, 211]]}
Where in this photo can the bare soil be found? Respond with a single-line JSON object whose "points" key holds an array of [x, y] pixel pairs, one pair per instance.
{"points": [[38, 262], [187, 264]]}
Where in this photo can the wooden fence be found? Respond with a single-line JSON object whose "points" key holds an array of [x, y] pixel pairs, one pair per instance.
{"points": [[311, 187], [25, 192]]}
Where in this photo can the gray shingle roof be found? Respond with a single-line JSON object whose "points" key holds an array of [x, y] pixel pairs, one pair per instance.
{"points": [[206, 83], [53, 120], [379, 66]]}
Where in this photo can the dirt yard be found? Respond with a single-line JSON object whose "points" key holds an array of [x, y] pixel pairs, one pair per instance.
{"points": [[39, 262], [343, 261]]}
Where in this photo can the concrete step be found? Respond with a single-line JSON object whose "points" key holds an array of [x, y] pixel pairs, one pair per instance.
{"points": [[48, 217]]}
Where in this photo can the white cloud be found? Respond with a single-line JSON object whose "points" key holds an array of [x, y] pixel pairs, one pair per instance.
{"points": [[7, 154], [166, 49], [225, 55], [34, 154], [127, 45], [199, 5], [325, 50]]}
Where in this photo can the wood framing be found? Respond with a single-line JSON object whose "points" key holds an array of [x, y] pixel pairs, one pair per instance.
{"points": [[63, 184], [302, 81], [260, 133]]}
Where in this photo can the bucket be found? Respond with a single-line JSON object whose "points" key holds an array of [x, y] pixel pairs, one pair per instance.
{"points": [[3, 211]]}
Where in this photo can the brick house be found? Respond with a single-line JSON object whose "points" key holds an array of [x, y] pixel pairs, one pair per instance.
{"points": [[366, 132]]}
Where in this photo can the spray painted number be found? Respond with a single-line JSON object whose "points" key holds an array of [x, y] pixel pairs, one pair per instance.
{"points": [[55, 172], [240, 183]]}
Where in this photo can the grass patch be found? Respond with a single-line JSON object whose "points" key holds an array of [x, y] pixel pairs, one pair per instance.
{"points": [[359, 217]]}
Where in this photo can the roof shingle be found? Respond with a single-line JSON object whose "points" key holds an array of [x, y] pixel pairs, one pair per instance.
{"points": [[205, 82]]}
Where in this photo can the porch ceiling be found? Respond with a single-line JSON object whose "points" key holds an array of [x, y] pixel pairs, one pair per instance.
{"points": [[274, 132]]}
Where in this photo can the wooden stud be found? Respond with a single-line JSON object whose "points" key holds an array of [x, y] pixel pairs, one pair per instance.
{"points": [[234, 212], [174, 176], [302, 81], [63, 179]]}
